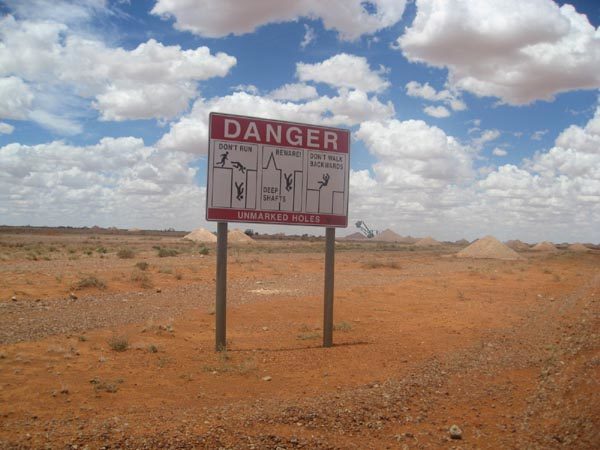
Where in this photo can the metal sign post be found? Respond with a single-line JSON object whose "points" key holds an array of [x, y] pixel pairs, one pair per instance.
{"points": [[221, 296], [276, 172], [328, 291]]}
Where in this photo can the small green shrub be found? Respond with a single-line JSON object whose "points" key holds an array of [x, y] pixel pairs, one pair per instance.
{"points": [[125, 253], [203, 250]]}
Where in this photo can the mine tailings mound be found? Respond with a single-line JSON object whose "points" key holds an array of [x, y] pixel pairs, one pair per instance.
{"points": [[388, 236], [355, 237], [201, 235], [577, 247], [517, 245], [544, 247], [427, 242], [237, 236], [488, 247]]}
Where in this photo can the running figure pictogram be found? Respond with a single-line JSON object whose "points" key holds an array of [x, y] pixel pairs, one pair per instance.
{"points": [[224, 157]]}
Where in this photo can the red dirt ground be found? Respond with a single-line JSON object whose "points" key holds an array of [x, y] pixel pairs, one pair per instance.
{"points": [[508, 351]]}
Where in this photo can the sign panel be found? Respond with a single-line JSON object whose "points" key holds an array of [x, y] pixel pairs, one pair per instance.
{"points": [[269, 171]]}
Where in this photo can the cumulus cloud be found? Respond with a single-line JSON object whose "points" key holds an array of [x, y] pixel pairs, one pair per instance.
{"points": [[436, 111], [65, 11], [497, 151], [57, 183], [538, 135], [344, 71], [425, 91], [15, 98], [294, 92], [516, 51], [6, 128], [424, 180], [348, 108], [309, 36], [150, 81], [484, 137], [350, 18], [249, 88], [414, 155]]}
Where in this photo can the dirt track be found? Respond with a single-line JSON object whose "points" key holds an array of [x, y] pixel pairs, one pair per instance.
{"points": [[507, 351]]}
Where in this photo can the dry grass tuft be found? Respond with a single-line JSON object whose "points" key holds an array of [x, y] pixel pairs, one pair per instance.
{"points": [[90, 281]]}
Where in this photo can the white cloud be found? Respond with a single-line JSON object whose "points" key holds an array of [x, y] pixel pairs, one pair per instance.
{"points": [[15, 98], [55, 122], [350, 18], [484, 137], [65, 11], [249, 88], [497, 151], [425, 91], [190, 133], [514, 50], [309, 36], [294, 92], [113, 182], [436, 111], [538, 135], [150, 81], [413, 155], [344, 71], [6, 128], [424, 180]]}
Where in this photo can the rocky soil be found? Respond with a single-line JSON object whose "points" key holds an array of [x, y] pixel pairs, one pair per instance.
{"points": [[430, 352]]}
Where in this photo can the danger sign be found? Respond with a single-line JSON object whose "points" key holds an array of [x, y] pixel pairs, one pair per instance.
{"points": [[269, 171]]}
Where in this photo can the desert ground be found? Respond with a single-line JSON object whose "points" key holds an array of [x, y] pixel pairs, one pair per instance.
{"points": [[107, 341]]}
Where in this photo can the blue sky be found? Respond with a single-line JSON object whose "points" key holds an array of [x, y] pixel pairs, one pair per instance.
{"points": [[468, 118]]}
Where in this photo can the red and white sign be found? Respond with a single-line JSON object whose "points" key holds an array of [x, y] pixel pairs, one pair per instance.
{"points": [[269, 171]]}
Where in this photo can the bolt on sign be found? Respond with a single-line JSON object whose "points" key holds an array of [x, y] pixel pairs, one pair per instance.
{"points": [[270, 171]]}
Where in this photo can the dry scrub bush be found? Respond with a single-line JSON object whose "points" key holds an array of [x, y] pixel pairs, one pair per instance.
{"points": [[166, 252], [118, 343], [342, 326], [142, 265], [382, 265], [90, 281], [125, 253], [142, 278]]}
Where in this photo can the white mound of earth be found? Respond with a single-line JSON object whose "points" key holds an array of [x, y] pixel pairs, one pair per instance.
{"points": [[517, 245], [544, 247], [427, 242], [488, 247], [201, 235], [577, 247], [237, 236], [388, 236], [355, 237]]}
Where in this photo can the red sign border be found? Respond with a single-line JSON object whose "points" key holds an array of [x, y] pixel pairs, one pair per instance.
{"points": [[328, 220]]}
